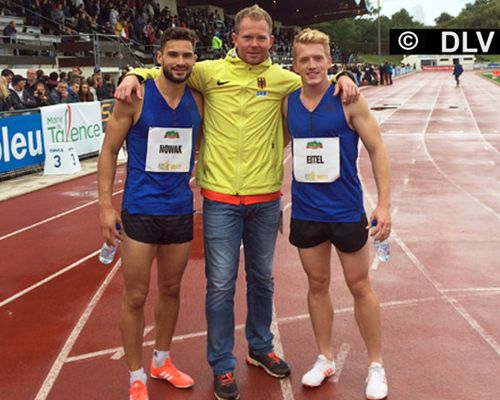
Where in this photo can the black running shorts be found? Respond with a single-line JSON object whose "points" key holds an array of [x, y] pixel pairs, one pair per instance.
{"points": [[158, 229], [347, 237]]}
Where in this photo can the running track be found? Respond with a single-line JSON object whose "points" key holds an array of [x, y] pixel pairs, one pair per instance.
{"points": [[440, 293]]}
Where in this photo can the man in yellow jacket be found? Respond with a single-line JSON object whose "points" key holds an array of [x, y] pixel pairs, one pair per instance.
{"points": [[240, 171], [216, 45]]}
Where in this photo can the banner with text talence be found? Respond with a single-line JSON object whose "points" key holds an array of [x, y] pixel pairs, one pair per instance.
{"points": [[76, 123]]}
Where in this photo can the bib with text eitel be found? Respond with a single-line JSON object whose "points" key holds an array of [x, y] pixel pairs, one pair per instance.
{"points": [[316, 160]]}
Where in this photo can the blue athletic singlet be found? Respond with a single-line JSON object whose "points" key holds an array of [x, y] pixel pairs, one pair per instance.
{"points": [[159, 193], [342, 199]]}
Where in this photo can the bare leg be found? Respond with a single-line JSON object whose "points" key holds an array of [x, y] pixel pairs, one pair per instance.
{"points": [[316, 264], [136, 268], [366, 304], [172, 260]]}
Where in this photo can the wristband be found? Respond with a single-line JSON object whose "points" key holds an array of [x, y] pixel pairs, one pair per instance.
{"points": [[344, 73]]}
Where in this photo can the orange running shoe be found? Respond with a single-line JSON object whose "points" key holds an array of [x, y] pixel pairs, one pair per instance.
{"points": [[138, 391], [171, 374]]}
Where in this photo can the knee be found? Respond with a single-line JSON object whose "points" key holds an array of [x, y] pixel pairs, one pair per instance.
{"points": [[170, 290], [319, 284], [360, 288], [135, 300], [259, 278]]}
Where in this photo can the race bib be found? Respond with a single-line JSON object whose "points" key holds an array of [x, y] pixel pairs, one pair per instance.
{"points": [[316, 160], [169, 149]]}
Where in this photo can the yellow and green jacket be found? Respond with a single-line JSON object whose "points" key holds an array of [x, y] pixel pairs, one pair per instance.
{"points": [[216, 43], [242, 145]]}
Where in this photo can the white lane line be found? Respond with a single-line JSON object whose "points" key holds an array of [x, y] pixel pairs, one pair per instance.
{"points": [[375, 263], [460, 188], [121, 353], [285, 384], [149, 343], [453, 302], [403, 102], [54, 217], [295, 318], [436, 135], [340, 361], [391, 305], [60, 215], [467, 104], [432, 109], [60, 272], [63, 354], [431, 159], [487, 85], [48, 279], [465, 290]]}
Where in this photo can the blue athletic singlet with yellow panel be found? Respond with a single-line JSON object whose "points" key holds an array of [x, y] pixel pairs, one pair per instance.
{"points": [[159, 193], [341, 200]]}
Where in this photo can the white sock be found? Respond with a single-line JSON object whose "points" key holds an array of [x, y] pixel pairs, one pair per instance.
{"points": [[138, 375], [159, 357]]}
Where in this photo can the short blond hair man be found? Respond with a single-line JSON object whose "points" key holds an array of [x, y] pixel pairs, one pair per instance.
{"points": [[327, 203]]}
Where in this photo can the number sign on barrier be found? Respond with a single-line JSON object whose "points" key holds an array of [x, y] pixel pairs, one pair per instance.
{"points": [[61, 158]]}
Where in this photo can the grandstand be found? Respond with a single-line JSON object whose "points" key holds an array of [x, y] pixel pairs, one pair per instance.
{"points": [[45, 42], [57, 36]]}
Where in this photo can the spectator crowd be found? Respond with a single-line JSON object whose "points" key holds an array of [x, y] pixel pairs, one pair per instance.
{"points": [[36, 89], [141, 22]]}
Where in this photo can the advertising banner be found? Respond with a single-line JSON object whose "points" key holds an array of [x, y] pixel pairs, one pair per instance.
{"points": [[78, 123], [21, 142]]}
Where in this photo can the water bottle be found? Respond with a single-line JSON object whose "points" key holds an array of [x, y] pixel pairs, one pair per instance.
{"points": [[107, 253], [382, 248]]}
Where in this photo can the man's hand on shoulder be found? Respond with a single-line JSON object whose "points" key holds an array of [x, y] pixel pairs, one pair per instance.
{"points": [[347, 89], [127, 87]]}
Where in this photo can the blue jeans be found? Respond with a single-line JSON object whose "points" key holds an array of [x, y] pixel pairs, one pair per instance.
{"points": [[224, 227]]}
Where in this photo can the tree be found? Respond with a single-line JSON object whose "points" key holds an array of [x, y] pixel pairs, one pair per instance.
{"points": [[443, 19], [402, 19], [482, 14]]}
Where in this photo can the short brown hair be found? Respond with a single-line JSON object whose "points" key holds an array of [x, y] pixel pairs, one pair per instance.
{"points": [[311, 36], [177, 33], [254, 12]]}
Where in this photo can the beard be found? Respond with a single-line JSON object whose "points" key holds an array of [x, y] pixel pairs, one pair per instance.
{"points": [[169, 76]]}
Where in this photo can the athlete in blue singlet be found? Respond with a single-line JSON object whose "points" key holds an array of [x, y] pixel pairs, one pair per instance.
{"points": [[157, 210], [327, 203]]}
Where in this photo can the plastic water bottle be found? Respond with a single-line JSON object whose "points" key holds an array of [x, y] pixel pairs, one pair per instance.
{"points": [[107, 253], [382, 248]]}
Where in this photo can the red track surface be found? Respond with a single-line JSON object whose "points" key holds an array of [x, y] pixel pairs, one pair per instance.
{"points": [[440, 293]]}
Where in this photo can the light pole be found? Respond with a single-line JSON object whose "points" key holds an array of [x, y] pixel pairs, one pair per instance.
{"points": [[378, 29]]}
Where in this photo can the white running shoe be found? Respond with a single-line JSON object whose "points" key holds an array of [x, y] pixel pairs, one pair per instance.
{"points": [[376, 382], [323, 368]]}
